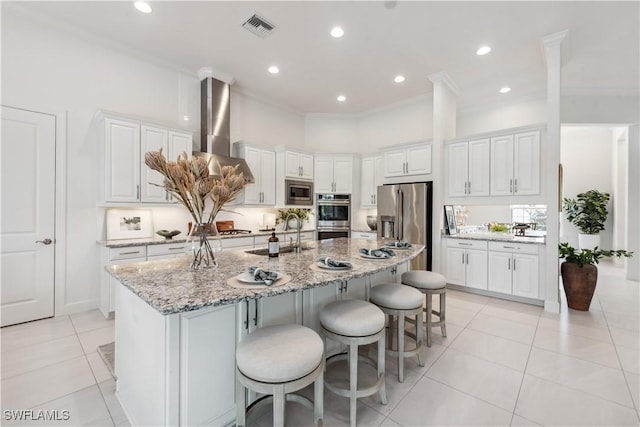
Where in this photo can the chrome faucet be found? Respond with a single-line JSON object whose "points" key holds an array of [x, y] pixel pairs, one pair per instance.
{"points": [[299, 223]]}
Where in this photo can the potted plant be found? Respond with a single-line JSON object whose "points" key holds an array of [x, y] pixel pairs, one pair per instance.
{"points": [[302, 213], [580, 274], [588, 212]]}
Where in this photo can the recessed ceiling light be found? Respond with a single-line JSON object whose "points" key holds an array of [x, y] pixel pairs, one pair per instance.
{"points": [[337, 32], [142, 6], [274, 70], [483, 50], [341, 98], [505, 89], [398, 79]]}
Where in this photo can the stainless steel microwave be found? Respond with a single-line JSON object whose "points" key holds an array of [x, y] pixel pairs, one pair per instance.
{"points": [[298, 192]]}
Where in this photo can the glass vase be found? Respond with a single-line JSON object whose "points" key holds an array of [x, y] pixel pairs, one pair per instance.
{"points": [[200, 246]]}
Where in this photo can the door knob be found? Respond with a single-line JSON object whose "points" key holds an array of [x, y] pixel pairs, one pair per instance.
{"points": [[45, 241]]}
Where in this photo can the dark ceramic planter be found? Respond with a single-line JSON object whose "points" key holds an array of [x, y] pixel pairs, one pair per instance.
{"points": [[579, 284]]}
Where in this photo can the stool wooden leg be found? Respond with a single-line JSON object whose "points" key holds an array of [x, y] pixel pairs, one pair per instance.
{"points": [[278, 406], [400, 320], [428, 319], [443, 327], [381, 359], [419, 338], [241, 404], [353, 382], [318, 398]]}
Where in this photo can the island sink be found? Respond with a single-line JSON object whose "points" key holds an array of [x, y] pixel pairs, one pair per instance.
{"points": [[283, 250]]}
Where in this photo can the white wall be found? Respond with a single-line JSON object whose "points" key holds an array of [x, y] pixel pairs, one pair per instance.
{"points": [[600, 109], [330, 133], [487, 118], [586, 156]]}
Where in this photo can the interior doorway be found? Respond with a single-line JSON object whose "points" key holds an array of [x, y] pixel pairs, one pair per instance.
{"points": [[28, 185]]}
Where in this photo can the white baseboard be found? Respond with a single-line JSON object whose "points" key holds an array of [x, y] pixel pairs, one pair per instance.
{"points": [[78, 307], [552, 306]]}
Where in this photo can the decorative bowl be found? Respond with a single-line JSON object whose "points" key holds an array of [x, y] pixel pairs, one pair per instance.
{"points": [[168, 234], [372, 222]]}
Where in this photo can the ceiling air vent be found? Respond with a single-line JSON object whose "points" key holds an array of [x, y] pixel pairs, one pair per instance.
{"points": [[258, 26]]}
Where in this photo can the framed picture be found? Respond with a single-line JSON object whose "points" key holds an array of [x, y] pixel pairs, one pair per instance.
{"points": [[450, 220], [129, 224]]}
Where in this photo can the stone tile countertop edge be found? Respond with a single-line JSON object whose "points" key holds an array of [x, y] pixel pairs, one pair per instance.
{"points": [[183, 238], [170, 286], [499, 237]]}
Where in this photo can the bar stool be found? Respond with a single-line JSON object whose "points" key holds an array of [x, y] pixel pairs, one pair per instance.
{"points": [[400, 302], [278, 360], [354, 323], [429, 283]]}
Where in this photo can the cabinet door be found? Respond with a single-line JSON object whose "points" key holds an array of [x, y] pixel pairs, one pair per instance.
{"points": [[280, 309], [323, 175], [292, 165], [252, 191], [367, 182], [343, 175], [476, 263], [394, 162], [306, 166], [378, 178], [110, 294], [457, 167], [502, 165], [122, 161], [525, 275], [152, 139], [478, 175], [179, 143], [456, 266], [526, 163], [268, 177], [500, 265], [418, 160]]}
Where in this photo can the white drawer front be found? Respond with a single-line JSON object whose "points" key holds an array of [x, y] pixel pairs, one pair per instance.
{"points": [[167, 249], [515, 247], [127, 252], [466, 244], [237, 242], [363, 235]]}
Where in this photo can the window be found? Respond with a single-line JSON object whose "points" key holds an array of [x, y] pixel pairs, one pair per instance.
{"points": [[530, 214]]}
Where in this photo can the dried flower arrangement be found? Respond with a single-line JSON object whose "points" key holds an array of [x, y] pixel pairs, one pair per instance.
{"points": [[191, 183]]}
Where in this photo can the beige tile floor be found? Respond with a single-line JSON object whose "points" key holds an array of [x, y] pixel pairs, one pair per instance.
{"points": [[503, 363]]}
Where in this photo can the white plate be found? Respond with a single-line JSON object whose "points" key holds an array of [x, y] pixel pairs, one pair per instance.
{"points": [[374, 257], [327, 267], [247, 277]]}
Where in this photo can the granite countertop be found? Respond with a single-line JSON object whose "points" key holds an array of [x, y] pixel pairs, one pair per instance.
{"points": [[499, 237], [170, 286], [181, 238]]}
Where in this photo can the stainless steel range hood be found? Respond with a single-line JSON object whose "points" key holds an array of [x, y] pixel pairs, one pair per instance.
{"points": [[215, 137]]}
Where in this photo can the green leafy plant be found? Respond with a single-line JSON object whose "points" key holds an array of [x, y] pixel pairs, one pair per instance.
{"points": [[588, 256], [499, 228], [303, 214], [588, 211]]}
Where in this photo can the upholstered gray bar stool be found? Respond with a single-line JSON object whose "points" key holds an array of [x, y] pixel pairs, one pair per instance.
{"points": [[278, 360], [400, 302], [354, 323], [430, 283]]}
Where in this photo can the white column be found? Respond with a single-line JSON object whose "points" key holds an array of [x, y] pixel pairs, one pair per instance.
{"points": [[549, 280], [444, 127], [633, 204]]}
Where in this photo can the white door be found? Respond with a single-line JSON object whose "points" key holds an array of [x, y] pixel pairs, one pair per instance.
{"points": [[525, 275], [500, 264], [394, 162], [476, 269], [343, 176], [152, 139], [457, 169], [268, 177], [28, 207], [526, 163], [479, 167], [252, 191], [419, 159], [306, 166], [292, 165], [122, 160], [455, 266], [502, 165], [367, 182], [323, 170]]}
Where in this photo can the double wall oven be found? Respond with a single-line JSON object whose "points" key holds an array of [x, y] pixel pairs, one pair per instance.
{"points": [[334, 215]]}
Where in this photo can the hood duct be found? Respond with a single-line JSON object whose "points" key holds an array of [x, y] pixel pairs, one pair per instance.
{"points": [[215, 136]]}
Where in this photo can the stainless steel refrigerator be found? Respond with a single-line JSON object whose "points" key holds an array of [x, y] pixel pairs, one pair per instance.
{"points": [[404, 213]]}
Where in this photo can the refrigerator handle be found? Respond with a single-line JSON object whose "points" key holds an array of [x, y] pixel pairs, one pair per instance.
{"points": [[401, 217], [396, 224]]}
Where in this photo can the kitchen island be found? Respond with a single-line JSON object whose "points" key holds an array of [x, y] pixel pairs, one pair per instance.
{"points": [[177, 329]]}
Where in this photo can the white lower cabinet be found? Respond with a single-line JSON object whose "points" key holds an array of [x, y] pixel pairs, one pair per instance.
{"points": [[368, 235], [513, 269], [116, 256], [466, 263]]}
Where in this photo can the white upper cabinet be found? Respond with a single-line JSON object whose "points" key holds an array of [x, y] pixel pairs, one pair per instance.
{"points": [[126, 177], [122, 161], [515, 164], [333, 174], [298, 165], [262, 163], [468, 168], [412, 159], [371, 177]]}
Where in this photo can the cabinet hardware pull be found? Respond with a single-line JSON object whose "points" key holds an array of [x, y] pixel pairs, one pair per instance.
{"points": [[246, 319], [138, 191], [129, 253], [374, 199], [465, 244], [509, 247], [463, 257], [255, 319], [514, 264], [511, 186], [468, 187], [515, 185], [467, 258], [177, 248], [509, 264]]}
